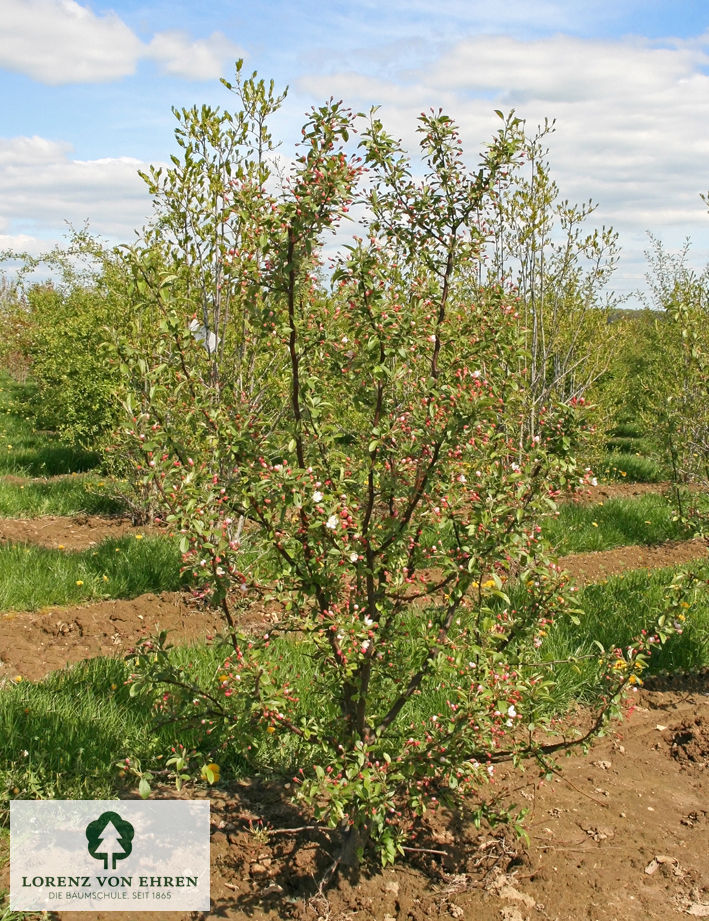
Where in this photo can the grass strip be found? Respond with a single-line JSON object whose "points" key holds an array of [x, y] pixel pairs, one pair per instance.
{"points": [[74, 495], [634, 468], [615, 611], [64, 736], [628, 429], [646, 520], [33, 577]]}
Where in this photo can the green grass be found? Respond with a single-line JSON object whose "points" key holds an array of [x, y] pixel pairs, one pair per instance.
{"points": [[627, 445], [614, 613], [34, 577], [76, 495], [646, 519], [631, 455], [628, 429], [631, 467], [48, 460], [63, 737]]}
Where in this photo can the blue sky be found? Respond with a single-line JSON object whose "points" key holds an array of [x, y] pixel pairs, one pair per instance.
{"points": [[86, 91]]}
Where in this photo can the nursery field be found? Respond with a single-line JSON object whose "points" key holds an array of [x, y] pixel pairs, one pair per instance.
{"points": [[621, 832], [396, 551]]}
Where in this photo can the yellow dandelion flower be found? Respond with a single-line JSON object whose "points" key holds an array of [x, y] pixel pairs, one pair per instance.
{"points": [[210, 773], [138, 536], [79, 581]]}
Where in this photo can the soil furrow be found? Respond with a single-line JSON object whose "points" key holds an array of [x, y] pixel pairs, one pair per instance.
{"points": [[66, 532], [32, 644], [601, 564]]}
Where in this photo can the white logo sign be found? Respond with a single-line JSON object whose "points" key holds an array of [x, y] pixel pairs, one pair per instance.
{"points": [[84, 855]]}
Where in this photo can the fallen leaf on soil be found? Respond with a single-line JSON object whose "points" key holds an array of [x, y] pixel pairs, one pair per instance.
{"points": [[503, 887], [661, 859]]}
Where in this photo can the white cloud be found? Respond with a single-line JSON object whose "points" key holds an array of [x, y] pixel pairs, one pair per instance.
{"points": [[631, 120], [61, 41], [565, 68], [42, 188], [194, 59]]}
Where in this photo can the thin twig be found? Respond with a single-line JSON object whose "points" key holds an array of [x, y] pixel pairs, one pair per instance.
{"points": [[425, 850]]}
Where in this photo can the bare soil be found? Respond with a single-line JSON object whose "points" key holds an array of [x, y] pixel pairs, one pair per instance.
{"points": [[619, 490], [34, 644], [620, 833], [65, 533], [599, 565]]}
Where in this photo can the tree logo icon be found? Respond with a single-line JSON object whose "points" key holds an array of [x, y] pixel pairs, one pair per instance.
{"points": [[110, 839]]}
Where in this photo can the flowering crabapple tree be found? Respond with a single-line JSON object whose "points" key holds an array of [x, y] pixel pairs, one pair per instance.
{"points": [[387, 495]]}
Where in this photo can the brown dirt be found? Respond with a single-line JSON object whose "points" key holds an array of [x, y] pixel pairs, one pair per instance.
{"points": [[34, 644], [599, 565], [620, 490], [65, 635], [60, 532], [622, 833]]}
